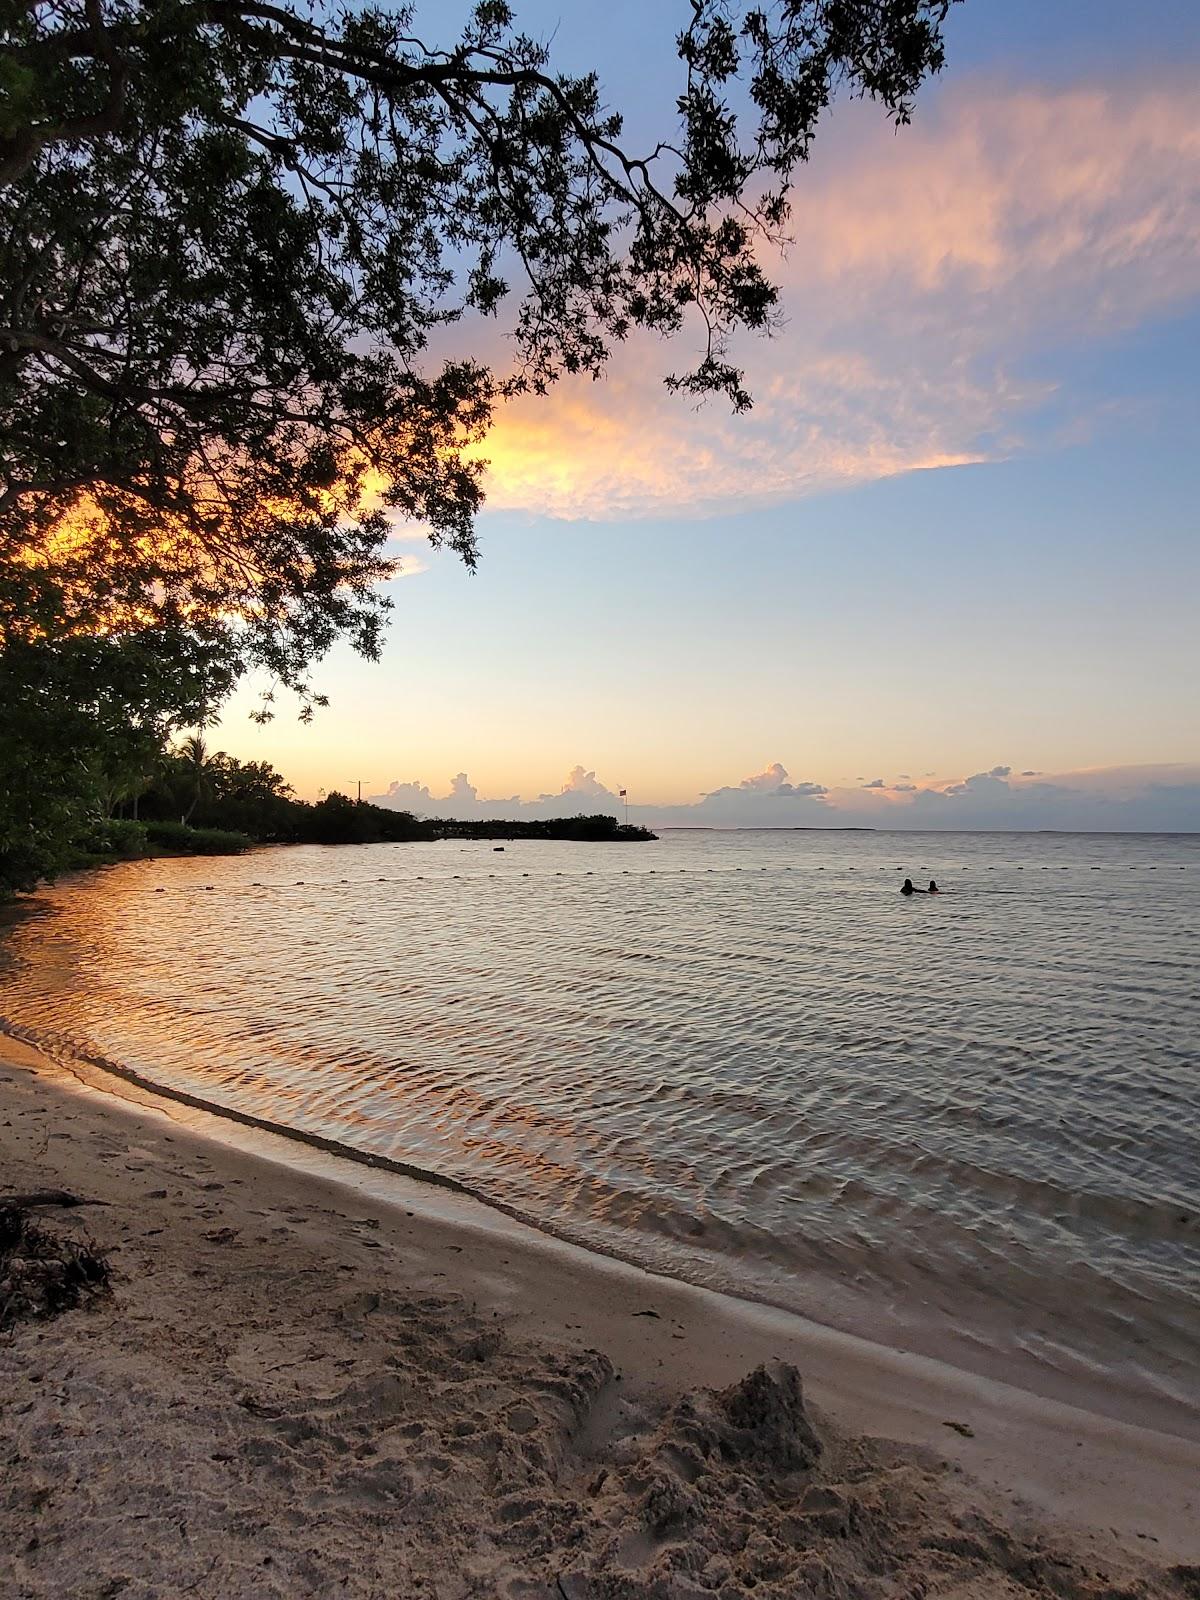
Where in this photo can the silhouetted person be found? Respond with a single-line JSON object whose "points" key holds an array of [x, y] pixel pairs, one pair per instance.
{"points": [[933, 888], [906, 887]]}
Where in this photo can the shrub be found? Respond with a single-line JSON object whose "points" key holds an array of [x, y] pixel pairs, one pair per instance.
{"points": [[218, 842], [169, 835], [117, 837], [196, 841]]}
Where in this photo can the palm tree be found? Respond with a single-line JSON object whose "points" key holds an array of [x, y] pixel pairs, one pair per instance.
{"points": [[196, 769], [125, 770], [125, 786]]}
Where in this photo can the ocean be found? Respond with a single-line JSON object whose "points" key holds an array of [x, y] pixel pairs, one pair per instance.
{"points": [[965, 1125]]}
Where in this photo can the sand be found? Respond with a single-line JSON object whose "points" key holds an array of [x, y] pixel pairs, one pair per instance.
{"points": [[309, 1379]]}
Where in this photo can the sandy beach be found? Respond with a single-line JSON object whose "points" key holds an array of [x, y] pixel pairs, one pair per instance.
{"points": [[313, 1379]]}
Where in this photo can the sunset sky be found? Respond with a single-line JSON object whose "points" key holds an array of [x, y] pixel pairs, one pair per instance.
{"points": [[957, 534]]}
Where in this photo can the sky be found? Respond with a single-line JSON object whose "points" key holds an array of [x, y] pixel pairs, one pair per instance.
{"points": [[946, 572]]}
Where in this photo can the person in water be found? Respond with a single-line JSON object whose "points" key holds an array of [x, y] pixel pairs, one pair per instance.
{"points": [[933, 888], [907, 888]]}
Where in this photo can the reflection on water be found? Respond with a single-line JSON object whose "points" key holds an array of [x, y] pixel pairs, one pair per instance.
{"points": [[741, 1058]]}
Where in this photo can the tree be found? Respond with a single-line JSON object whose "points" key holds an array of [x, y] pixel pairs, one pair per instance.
{"points": [[75, 719], [230, 230], [195, 769], [336, 819], [250, 797]]}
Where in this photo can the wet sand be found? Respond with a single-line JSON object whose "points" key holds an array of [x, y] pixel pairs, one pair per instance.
{"points": [[311, 1379]]}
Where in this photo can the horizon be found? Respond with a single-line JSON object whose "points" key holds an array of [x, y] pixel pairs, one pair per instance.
{"points": [[1161, 798]]}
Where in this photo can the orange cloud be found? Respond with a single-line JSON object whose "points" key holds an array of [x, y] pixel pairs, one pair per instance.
{"points": [[925, 266]]}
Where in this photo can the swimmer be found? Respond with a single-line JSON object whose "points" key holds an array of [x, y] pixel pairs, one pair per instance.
{"points": [[933, 888]]}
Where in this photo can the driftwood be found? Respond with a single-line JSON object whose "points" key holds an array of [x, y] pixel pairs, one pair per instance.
{"points": [[42, 1272]]}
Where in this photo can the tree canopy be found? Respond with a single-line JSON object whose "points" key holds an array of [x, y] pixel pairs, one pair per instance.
{"points": [[241, 247], [230, 230]]}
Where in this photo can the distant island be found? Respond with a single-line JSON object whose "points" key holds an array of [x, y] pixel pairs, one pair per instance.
{"points": [[599, 828], [783, 827]]}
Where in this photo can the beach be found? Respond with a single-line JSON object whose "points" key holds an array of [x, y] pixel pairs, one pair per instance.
{"points": [[599, 814], [309, 1378]]}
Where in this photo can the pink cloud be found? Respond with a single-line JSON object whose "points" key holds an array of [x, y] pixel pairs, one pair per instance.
{"points": [[925, 268]]}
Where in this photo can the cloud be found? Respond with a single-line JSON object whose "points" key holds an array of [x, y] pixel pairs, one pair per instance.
{"points": [[400, 529], [772, 781], [766, 799], [981, 782], [875, 783], [1146, 799], [583, 783], [771, 778], [582, 792], [1004, 224], [1162, 798], [410, 797]]}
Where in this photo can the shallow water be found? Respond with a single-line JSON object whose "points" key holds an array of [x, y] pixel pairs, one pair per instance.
{"points": [[966, 1124]]}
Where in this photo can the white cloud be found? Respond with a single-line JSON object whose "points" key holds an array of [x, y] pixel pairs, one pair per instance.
{"points": [[581, 793], [771, 778], [583, 783]]}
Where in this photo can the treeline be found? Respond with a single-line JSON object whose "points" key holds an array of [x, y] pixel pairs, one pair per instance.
{"points": [[211, 804], [250, 798], [190, 802], [182, 801]]}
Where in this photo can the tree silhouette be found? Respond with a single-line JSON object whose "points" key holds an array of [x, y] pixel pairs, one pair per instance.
{"points": [[196, 769]]}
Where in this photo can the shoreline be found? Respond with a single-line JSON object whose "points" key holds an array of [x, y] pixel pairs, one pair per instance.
{"points": [[894, 1328], [1113, 1489]]}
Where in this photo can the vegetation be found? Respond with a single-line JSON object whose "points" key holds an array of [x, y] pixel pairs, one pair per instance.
{"points": [[232, 233], [599, 828], [83, 723], [177, 836], [191, 802]]}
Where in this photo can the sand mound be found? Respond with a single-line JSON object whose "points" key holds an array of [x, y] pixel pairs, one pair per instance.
{"points": [[393, 1444], [765, 1420]]}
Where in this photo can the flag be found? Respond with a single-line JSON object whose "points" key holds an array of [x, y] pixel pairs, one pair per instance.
{"points": [[621, 794]]}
